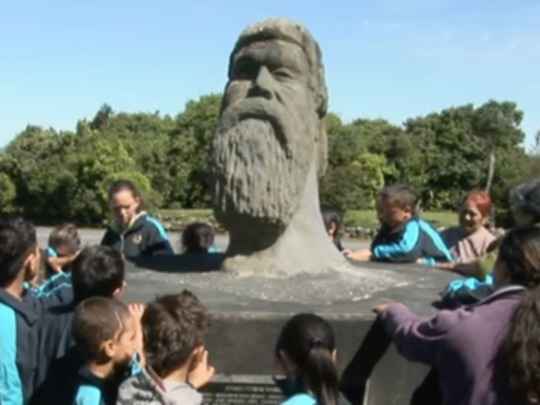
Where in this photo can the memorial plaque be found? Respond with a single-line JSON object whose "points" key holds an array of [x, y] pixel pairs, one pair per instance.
{"points": [[242, 390], [246, 390]]}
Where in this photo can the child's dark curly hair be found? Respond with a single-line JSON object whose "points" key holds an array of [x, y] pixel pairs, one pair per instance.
{"points": [[197, 238], [173, 326]]}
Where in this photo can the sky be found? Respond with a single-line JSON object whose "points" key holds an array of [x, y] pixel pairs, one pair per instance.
{"points": [[60, 60]]}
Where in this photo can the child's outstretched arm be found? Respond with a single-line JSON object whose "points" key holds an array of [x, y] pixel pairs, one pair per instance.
{"points": [[361, 255], [137, 311]]}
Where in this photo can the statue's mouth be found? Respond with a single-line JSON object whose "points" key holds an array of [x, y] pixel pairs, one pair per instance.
{"points": [[276, 125], [255, 108]]}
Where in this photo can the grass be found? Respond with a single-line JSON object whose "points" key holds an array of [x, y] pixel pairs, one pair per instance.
{"points": [[361, 218], [182, 214], [441, 219]]}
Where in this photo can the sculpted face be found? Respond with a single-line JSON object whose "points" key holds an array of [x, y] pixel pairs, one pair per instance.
{"points": [[265, 141]]}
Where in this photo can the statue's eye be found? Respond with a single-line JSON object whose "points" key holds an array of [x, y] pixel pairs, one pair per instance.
{"points": [[282, 73], [245, 69]]}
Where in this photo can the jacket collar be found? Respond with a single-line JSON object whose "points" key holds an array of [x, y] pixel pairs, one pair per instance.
{"points": [[90, 378]]}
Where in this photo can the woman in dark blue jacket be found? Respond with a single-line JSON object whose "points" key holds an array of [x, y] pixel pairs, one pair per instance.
{"points": [[133, 232]]}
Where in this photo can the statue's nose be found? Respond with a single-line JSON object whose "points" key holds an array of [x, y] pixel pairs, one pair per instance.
{"points": [[263, 83]]}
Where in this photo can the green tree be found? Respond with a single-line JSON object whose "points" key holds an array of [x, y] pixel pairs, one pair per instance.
{"points": [[7, 195], [456, 144], [354, 185], [189, 151], [92, 165], [145, 138], [102, 117]]}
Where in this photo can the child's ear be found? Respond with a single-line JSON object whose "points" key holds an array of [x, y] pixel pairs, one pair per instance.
{"points": [[409, 210], [119, 292], [31, 264], [109, 348]]}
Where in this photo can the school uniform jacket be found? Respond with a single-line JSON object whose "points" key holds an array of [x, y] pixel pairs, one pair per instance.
{"points": [[416, 239], [147, 388], [144, 237], [74, 384], [24, 353], [79, 386]]}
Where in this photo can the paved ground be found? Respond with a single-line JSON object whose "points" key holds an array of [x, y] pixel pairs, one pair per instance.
{"points": [[93, 237]]}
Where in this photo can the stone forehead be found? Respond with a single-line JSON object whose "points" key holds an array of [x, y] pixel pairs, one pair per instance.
{"points": [[282, 29], [292, 32]]}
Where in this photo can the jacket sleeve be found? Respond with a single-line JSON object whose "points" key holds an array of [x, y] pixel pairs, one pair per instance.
{"points": [[419, 339], [57, 290], [157, 241], [406, 249], [107, 238]]}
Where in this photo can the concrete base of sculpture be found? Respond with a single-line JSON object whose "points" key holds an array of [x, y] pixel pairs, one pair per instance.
{"points": [[248, 312]]}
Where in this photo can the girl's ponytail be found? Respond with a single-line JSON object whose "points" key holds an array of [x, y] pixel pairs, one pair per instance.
{"points": [[308, 341], [321, 374]]}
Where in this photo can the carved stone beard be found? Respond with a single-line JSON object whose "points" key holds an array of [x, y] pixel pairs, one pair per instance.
{"points": [[260, 172]]}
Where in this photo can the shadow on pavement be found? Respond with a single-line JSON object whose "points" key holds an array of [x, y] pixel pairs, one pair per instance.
{"points": [[184, 263]]}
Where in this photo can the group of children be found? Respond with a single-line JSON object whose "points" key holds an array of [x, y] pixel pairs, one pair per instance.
{"points": [[72, 340], [78, 343]]}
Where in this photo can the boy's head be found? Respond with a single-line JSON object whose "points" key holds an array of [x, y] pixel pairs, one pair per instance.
{"points": [[197, 237], [518, 261], [105, 331], [173, 328], [97, 271], [332, 222], [396, 204], [65, 240], [525, 203], [19, 251]]}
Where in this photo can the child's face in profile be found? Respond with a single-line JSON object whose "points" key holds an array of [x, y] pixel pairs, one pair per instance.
{"points": [[65, 250], [124, 343], [331, 230], [392, 215]]}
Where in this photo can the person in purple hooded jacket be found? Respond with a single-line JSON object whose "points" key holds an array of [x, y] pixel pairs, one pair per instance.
{"points": [[464, 346]]}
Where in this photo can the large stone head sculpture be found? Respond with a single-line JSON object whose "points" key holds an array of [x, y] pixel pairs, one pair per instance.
{"points": [[271, 141]]}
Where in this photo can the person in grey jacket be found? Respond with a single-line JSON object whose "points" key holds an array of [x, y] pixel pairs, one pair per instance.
{"points": [[464, 346], [148, 388], [176, 360]]}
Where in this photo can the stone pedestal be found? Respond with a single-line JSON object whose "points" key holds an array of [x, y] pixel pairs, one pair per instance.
{"points": [[247, 314]]}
